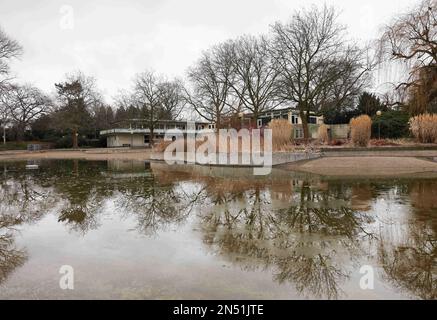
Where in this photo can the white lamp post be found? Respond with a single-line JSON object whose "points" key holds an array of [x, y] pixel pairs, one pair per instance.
{"points": [[378, 114]]}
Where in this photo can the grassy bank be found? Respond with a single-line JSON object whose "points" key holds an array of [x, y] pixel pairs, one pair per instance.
{"points": [[14, 145]]}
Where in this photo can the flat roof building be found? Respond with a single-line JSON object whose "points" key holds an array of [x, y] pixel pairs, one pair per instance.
{"points": [[136, 132]]}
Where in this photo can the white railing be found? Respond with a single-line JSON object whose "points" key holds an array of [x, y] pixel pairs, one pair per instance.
{"points": [[143, 131]]}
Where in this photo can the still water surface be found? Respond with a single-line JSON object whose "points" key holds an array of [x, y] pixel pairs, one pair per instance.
{"points": [[133, 230]]}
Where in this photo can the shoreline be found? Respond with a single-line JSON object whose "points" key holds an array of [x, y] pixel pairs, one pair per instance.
{"points": [[347, 165], [85, 154]]}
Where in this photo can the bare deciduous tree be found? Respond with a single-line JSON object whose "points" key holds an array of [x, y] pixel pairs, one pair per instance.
{"points": [[255, 81], [4, 115], [103, 117], [9, 49], [25, 103], [315, 63], [153, 98], [147, 94], [343, 80], [412, 38], [211, 79], [171, 99]]}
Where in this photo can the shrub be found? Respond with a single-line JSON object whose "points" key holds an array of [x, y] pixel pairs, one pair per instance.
{"points": [[393, 125], [337, 142], [424, 128], [66, 142], [322, 133], [282, 132], [361, 130], [382, 142]]}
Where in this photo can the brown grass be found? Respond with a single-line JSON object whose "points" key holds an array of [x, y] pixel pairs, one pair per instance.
{"points": [[162, 145], [424, 128], [282, 133], [323, 133], [361, 130], [281, 140]]}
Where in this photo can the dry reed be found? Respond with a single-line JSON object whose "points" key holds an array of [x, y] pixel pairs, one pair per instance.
{"points": [[361, 130], [424, 128], [322, 133], [282, 133]]}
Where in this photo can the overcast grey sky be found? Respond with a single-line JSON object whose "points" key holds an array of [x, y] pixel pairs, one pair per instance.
{"points": [[112, 40]]}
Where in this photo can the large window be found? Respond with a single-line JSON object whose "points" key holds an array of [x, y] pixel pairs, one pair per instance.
{"points": [[298, 133], [312, 120]]}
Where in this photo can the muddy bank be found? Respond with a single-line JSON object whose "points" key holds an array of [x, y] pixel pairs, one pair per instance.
{"points": [[366, 166]]}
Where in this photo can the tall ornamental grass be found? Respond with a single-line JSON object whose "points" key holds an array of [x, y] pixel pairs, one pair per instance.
{"points": [[282, 133], [361, 130], [322, 133], [424, 128]]}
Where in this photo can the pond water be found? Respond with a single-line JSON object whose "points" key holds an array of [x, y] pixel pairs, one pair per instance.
{"points": [[136, 230]]}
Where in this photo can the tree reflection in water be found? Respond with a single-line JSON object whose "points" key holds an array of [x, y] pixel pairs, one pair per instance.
{"points": [[298, 241], [22, 200], [155, 205], [137, 193], [10, 256], [409, 260], [306, 232]]}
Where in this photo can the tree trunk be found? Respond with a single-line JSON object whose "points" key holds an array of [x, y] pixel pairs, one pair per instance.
{"points": [[255, 116], [75, 144], [20, 132], [218, 123], [304, 119], [151, 136]]}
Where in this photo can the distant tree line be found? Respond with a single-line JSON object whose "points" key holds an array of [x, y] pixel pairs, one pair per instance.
{"points": [[308, 63]]}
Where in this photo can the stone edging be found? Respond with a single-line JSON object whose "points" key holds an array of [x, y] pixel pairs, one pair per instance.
{"points": [[277, 159]]}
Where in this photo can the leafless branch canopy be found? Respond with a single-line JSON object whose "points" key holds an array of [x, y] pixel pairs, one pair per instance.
{"points": [[9, 49], [24, 104], [317, 67], [412, 39], [211, 79]]}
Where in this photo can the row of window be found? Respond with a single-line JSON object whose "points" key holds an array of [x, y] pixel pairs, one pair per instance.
{"points": [[169, 127], [311, 120], [294, 120], [298, 133]]}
